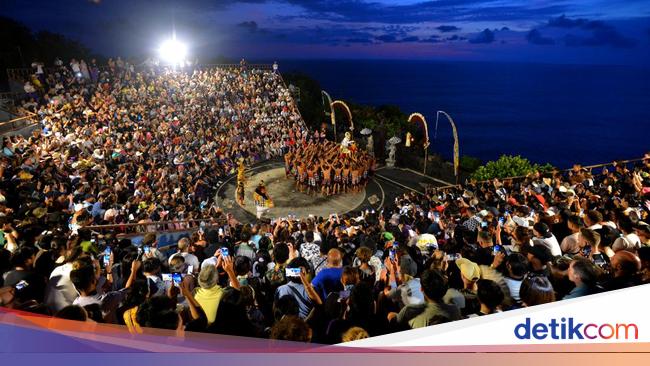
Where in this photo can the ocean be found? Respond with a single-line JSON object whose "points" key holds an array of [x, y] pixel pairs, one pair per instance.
{"points": [[561, 114]]}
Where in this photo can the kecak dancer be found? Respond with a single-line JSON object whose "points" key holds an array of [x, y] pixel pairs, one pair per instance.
{"points": [[241, 179], [263, 201], [329, 168]]}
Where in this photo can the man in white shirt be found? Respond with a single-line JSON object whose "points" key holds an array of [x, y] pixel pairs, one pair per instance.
{"points": [[543, 236], [570, 243], [183, 251], [628, 240], [593, 219], [60, 291]]}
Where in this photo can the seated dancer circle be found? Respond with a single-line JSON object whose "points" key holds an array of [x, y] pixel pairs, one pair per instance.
{"points": [[328, 168]]}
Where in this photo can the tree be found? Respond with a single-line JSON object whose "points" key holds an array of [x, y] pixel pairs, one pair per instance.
{"points": [[508, 166]]}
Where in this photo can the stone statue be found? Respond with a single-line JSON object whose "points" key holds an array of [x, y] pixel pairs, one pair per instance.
{"points": [[407, 143], [370, 146], [392, 149]]}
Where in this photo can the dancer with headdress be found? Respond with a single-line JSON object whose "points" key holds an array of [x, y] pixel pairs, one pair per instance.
{"points": [[263, 201]]}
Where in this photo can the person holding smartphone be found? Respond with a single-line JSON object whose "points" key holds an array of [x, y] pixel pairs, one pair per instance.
{"points": [[85, 281], [299, 287]]}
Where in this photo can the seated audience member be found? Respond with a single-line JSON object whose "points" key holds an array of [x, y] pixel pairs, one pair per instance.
{"points": [[584, 274], [329, 279], [434, 310], [490, 296], [536, 290]]}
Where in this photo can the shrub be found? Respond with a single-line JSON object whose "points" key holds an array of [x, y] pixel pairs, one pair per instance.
{"points": [[508, 166]]}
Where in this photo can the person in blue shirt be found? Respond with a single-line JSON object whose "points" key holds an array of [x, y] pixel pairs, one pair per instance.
{"points": [[329, 279], [299, 288], [584, 275]]}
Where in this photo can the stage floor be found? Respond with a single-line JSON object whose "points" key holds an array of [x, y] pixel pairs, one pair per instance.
{"points": [[380, 191], [289, 201]]}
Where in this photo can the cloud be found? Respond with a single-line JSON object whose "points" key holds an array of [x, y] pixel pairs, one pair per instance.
{"points": [[359, 40], [486, 36], [251, 26], [411, 39], [602, 34], [563, 22], [535, 37], [432, 39], [447, 28], [387, 38], [371, 11], [456, 37], [601, 37]]}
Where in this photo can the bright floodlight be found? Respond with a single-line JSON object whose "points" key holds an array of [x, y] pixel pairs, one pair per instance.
{"points": [[173, 52]]}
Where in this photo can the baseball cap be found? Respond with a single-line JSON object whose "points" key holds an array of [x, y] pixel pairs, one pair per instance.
{"points": [[468, 269]]}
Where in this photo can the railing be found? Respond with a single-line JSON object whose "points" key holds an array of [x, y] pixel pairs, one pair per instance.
{"points": [[235, 66], [12, 96], [589, 167], [127, 229], [16, 124]]}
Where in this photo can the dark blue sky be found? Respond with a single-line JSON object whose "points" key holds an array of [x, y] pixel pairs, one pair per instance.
{"points": [[553, 31]]}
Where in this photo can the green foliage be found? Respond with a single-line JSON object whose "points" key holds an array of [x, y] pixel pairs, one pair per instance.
{"points": [[469, 163], [311, 104], [20, 47], [508, 166]]}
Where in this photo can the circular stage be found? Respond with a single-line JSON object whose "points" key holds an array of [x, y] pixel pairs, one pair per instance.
{"points": [[384, 186], [289, 201]]}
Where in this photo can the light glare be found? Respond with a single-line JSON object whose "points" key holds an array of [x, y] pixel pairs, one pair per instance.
{"points": [[173, 52]]}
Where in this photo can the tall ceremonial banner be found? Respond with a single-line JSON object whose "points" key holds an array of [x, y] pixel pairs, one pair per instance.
{"points": [[456, 144], [347, 111], [415, 117]]}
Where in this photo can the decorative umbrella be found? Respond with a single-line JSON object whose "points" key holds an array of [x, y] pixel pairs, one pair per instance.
{"points": [[366, 131], [394, 140]]}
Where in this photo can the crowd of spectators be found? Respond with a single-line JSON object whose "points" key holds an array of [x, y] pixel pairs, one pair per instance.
{"points": [[421, 260], [126, 146]]}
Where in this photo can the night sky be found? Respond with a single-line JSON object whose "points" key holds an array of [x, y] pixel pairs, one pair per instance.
{"points": [[554, 31]]}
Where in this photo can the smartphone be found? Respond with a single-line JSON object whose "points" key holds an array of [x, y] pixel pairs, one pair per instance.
{"points": [[146, 249], [107, 256], [502, 220], [177, 278], [392, 253], [497, 249], [586, 251], [190, 269], [21, 285], [343, 295], [224, 252], [167, 277], [452, 257], [484, 224], [220, 231], [599, 259], [292, 272]]}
